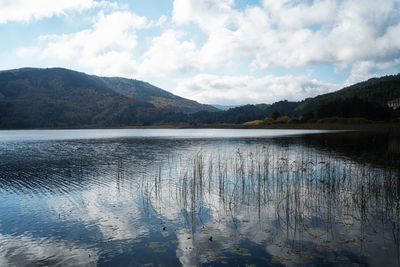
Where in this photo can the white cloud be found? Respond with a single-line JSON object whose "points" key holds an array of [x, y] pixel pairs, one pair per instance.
{"points": [[168, 54], [295, 34], [208, 14], [208, 88], [361, 71], [296, 15], [280, 33], [26, 10], [360, 37], [106, 48]]}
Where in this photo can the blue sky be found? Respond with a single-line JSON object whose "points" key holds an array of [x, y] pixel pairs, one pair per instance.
{"points": [[213, 51]]}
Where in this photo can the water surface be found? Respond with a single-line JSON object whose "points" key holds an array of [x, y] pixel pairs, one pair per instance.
{"points": [[29, 135], [198, 197]]}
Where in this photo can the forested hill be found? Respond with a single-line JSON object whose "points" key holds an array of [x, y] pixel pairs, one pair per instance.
{"points": [[362, 100], [376, 90], [56, 97]]}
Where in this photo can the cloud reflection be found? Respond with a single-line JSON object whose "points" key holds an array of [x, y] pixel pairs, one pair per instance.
{"points": [[25, 250]]}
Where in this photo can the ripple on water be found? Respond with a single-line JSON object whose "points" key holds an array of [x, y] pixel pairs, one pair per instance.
{"points": [[193, 201]]}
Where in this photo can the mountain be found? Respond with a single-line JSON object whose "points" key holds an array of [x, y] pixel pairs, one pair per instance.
{"points": [[366, 99], [159, 98], [233, 115], [283, 107], [57, 97], [225, 107], [375, 90], [53, 98]]}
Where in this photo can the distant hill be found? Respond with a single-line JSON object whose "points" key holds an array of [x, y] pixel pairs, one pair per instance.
{"points": [[233, 115], [366, 100], [159, 98], [375, 90], [225, 107], [57, 97], [283, 107]]}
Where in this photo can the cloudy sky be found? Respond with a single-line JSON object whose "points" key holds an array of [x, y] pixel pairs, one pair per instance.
{"points": [[213, 51]]}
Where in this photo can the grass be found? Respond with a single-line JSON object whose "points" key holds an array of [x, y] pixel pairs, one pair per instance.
{"points": [[309, 194], [283, 123], [253, 123]]}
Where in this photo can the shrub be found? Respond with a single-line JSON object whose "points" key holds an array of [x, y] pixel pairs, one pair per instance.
{"points": [[282, 119], [253, 123]]}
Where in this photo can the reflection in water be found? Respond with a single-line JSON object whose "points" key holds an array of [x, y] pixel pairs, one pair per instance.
{"points": [[265, 201], [20, 250], [301, 206]]}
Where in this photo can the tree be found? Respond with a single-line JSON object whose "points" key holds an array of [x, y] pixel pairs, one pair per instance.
{"points": [[274, 115]]}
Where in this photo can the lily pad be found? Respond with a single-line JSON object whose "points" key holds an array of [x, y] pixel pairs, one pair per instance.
{"points": [[205, 232], [160, 250], [242, 251], [279, 260], [215, 258], [160, 245]]}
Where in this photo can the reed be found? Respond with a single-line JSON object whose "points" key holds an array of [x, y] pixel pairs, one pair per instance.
{"points": [[301, 196]]}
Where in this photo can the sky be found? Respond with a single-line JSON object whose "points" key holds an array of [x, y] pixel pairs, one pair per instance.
{"points": [[227, 52]]}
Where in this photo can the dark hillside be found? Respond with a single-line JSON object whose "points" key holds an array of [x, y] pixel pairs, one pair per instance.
{"points": [[36, 98], [375, 90]]}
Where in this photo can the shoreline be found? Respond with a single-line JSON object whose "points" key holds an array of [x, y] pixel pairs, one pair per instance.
{"points": [[373, 127]]}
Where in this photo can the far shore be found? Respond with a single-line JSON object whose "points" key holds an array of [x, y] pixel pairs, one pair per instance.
{"points": [[375, 126]]}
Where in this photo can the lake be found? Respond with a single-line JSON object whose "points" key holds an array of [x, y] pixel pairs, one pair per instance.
{"points": [[170, 197]]}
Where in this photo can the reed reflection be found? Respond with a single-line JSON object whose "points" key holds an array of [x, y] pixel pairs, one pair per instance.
{"points": [[289, 200], [301, 205]]}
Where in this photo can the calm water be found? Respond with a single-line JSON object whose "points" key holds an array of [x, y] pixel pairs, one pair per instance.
{"points": [[199, 197]]}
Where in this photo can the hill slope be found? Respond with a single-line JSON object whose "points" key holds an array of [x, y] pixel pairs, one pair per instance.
{"points": [[366, 99], [375, 90], [159, 98], [57, 97]]}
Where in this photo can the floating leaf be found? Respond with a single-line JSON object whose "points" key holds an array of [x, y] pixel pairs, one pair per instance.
{"points": [[153, 244], [316, 255], [279, 260], [241, 251], [202, 250], [159, 245], [158, 250], [205, 232], [307, 256], [341, 258], [215, 258]]}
